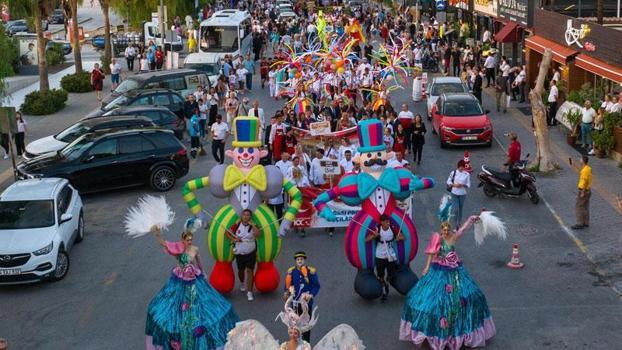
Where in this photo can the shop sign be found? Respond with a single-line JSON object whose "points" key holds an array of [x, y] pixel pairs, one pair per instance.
{"points": [[519, 11], [459, 4], [487, 7], [577, 36]]}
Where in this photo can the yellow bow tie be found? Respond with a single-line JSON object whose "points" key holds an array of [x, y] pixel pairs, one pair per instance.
{"points": [[234, 177]]}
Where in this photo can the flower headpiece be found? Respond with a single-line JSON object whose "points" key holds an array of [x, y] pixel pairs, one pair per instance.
{"points": [[303, 322]]}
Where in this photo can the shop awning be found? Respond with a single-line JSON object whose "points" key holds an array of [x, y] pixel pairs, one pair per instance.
{"points": [[599, 67], [561, 53], [508, 34]]}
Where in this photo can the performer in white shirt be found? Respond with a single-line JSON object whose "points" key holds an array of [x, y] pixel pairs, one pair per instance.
{"points": [[316, 175], [346, 163]]}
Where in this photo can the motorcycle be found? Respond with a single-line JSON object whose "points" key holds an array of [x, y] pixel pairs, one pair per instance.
{"points": [[504, 184]]}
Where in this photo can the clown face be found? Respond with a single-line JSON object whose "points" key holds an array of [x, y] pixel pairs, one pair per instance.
{"points": [[373, 162], [246, 157]]}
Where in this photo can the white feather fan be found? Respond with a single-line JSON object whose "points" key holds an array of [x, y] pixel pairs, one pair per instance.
{"points": [[149, 211], [488, 225]]}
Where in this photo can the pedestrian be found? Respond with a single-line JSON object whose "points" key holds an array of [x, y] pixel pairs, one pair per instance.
{"points": [[302, 282], [587, 119], [489, 65], [259, 114], [212, 99], [457, 183], [405, 118], [144, 64], [245, 250], [97, 80], [478, 81], [385, 237], [242, 76], [552, 100], [20, 124], [115, 72], [418, 138], [202, 117], [249, 65], [151, 57], [582, 206], [500, 91], [159, 58], [130, 56], [220, 132], [194, 131], [4, 344], [277, 203]]}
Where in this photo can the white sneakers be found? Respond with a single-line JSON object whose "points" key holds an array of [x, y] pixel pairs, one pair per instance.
{"points": [[250, 296], [243, 288], [6, 156]]}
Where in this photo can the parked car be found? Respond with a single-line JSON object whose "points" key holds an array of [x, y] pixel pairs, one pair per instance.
{"points": [[199, 61], [183, 81], [20, 25], [458, 119], [54, 143], [40, 220], [152, 97], [161, 116], [109, 160], [441, 85], [57, 17], [65, 44]]}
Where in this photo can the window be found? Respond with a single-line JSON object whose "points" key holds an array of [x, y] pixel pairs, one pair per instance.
{"points": [[167, 118], [177, 99], [164, 140], [152, 85], [63, 200], [219, 39], [177, 83], [152, 115], [142, 101], [26, 214], [135, 144], [440, 88], [126, 85], [462, 108], [147, 145], [104, 149], [161, 100]]}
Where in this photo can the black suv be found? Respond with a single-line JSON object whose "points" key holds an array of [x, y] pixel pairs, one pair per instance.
{"points": [[102, 161], [151, 97], [161, 116]]}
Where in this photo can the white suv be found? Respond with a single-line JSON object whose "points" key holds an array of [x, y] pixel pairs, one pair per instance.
{"points": [[40, 219]]}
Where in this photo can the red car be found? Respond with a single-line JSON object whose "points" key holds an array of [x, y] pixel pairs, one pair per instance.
{"points": [[458, 119]]}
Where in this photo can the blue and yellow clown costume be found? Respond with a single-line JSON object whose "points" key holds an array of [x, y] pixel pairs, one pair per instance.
{"points": [[247, 185], [376, 188]]}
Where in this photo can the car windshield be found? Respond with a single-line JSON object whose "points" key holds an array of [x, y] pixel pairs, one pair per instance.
{"points": [[72, 133], [76, 149], [441, 88], [119, 101], [126, 85], [219, 39], [462, 108], [207, 68], [15, 215]]}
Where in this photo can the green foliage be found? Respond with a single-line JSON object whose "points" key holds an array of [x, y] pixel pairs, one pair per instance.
{"points": [[573, 116], [55, 55], [140, 10], [586, 93], [8, 58], [42, 103], [105, 62], [604, 139], [80, 82]]}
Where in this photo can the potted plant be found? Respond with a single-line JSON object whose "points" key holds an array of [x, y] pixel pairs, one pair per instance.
{"points": [[573, 116], [614, 121], [603, 142]]}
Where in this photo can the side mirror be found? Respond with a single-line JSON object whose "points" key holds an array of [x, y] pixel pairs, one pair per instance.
{"points": [[65, 217], [487, 111], [88, 159]]}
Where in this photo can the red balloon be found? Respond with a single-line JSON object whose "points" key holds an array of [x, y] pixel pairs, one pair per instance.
{"points": [[266, 277], [222, 277]]}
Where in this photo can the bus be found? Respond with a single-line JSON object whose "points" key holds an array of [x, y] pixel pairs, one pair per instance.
{"points": [[227, 32]]}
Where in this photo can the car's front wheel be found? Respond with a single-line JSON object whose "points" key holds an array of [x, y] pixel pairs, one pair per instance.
{"points": [[440, 139], [162, 178], [80, 235], [62, 265]]}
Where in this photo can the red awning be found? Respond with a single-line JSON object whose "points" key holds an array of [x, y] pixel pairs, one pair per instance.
{"points": [[560, 53], [599, 67], [507, 34]]}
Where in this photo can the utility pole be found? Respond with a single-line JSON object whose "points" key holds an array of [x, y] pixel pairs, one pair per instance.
{"points": [[162, 24]]}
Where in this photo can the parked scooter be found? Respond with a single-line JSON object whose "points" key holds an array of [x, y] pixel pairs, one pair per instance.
{"points": [[512, 184]]}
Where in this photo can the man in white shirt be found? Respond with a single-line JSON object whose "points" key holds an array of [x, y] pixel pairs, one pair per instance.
{"points": [[130, 56], [259, 114], [220, 132], [459, 180], [277, 203], [346, 163], [587, 118], [316, 175], [490, 64], [115, 72], [398, 161], [552, 100]]}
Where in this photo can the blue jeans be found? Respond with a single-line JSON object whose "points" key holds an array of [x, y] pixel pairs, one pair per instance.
{"points": [[586, 134], [249, 81], [458, 204]]}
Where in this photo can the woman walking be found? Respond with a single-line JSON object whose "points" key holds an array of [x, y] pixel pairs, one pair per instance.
{"points": [[418, 138], [97, 80], [20, 123]]}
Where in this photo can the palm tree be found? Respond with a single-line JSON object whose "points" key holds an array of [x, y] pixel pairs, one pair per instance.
{"points": [[77, 55], [105, 5], [39, 7]]}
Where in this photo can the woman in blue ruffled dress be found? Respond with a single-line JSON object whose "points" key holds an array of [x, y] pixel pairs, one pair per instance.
{"points": [[187, 313], [446, 307]]}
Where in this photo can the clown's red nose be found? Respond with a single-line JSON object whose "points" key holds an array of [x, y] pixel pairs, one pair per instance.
{"points": [[245, 155]]}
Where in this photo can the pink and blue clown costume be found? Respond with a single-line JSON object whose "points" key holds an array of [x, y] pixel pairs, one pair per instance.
{"points": [[376, 188]]}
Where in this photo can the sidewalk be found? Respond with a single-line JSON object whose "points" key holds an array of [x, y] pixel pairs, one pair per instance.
{"points": [[601, 242]]}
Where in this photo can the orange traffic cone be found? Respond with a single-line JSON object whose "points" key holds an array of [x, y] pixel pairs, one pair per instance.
{"points": [[467, 162], [515, 261]]}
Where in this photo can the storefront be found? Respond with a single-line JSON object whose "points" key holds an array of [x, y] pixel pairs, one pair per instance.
{"points": [[585, 51], [515, 17], [485, 12]]}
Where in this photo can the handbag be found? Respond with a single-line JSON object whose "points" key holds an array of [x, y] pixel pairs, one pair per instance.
{"points": [[450, 187]]}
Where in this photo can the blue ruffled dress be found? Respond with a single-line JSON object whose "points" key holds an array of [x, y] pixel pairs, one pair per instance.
{"points": [[446, 307], [187, 313]]}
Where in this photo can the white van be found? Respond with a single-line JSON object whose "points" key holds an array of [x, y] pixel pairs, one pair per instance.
{"points": [[227, 32], [172, 41]]}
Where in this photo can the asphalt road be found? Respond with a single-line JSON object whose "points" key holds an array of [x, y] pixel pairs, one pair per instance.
{"points": [[556, 302]]}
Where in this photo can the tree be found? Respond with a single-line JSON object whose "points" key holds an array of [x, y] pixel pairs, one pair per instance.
{"points": [[105, 5], [40, 12], [8, 58], [77, 54], [544, 157], [599, 12]]}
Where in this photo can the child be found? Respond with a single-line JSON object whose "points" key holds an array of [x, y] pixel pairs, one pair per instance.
{"points": [[388, 139], [233, 80], [241, 72], [386, 256]]}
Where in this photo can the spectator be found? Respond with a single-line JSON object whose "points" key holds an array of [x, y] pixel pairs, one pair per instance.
{"points": [[249, 65], [151, 58], [587, 119], [242, 75], [346, 163], [220, 132], [4, 344], [478, 81], [144, 64], [231, 107], [582, 207], [398, 161], [500, 91], [418, 138], [459, 180], [194, 131], [316, 175], [159, 58], [405, 117], [490, 65], [130, 56], [211, 100], [514, 150], [259, 114], [190, 106], [115, 72], [277, 203], [202, 117], [20, 124], [552, 100], [97, 80]]}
